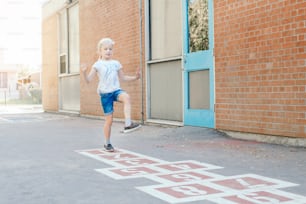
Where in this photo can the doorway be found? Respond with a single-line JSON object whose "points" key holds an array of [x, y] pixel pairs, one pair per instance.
{"points": [[198, 63]]}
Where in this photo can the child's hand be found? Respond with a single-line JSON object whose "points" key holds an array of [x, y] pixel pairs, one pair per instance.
{"points": [[138, 74], [84, 67]]}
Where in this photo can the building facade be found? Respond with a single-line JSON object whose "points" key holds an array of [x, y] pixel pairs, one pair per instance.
{"points": [[229, 65], [8, 82]]}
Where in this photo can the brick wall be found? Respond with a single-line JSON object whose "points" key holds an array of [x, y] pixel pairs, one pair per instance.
{"points": [[118, 20], [260, 66], [50, 66]]}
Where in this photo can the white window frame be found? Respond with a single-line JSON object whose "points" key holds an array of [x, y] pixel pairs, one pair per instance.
{"points": [[65, 45], [3, 80]]}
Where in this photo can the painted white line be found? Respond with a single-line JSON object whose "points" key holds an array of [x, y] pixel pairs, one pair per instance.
{"points": [[187, 165], [270, 196], [120, 158], [154, 171], [128, 173], [186, 192], [6, 120], [246, 182], [183, 176]]}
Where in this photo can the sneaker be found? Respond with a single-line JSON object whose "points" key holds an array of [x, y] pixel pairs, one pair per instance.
{"points": [[109, 148], [132, 127]]}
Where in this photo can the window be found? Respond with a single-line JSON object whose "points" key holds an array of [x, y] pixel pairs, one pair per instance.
{"points": [[165, 65], [198, 25], [165, 29], [69, 56], [3, 80]]}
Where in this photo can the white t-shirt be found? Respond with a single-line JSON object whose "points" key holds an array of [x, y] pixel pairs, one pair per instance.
{"points": [[108, 75]]}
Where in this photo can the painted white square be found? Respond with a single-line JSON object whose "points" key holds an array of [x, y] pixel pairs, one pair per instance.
{"points": [[271, 196], [251, 181]]}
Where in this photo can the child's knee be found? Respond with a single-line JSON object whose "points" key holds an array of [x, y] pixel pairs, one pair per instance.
{"points": [[108, 120], [125, 98]]}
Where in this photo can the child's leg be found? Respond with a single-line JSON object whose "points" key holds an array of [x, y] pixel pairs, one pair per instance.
{"points": [[125, 99], [107, 128], [129, 126]]}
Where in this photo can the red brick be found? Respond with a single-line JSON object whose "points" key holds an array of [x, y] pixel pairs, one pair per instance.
{"points": [[271, 67]]}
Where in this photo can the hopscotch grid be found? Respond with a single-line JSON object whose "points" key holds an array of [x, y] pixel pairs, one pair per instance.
{"points": [[294, 198], [217, 197], [121, 151], [157, 162], [217, 184], [202, 165], [154, 167], [157, 177], [110, 172], [152, 190], [116, 162], [277, 183]]}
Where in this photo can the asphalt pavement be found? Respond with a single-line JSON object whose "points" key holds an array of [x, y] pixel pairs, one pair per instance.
{"points": [[58, 159]]}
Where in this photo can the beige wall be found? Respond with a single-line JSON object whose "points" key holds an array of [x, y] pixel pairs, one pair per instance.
{"points": [[50, 64]]}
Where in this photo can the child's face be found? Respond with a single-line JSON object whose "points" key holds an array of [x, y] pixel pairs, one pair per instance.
{"points": [[106, 51]]}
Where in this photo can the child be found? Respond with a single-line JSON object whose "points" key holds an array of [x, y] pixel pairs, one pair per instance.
{"points": [[109, 71]]}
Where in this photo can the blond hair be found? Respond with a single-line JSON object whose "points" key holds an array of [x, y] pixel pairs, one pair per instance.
{"points": [[105, 41]]}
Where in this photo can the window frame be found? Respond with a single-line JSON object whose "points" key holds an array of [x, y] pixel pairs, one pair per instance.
{"points": [[3, 80], [65, 47]]}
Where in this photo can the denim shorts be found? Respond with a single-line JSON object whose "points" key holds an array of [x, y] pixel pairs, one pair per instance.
{"points": [[107, 101]]}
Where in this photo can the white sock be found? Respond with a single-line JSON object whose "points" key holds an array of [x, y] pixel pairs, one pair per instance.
{"points": [[128, 122]]}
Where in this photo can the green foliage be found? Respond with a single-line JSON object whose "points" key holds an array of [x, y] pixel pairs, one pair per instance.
{"points": [[36, 95], [198, 25]]}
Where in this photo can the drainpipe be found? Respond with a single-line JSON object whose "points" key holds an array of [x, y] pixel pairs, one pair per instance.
{"points": [[140, 61]]}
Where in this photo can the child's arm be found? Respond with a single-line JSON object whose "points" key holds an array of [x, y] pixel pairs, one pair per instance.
{"points": [[91, 74], [124, 77]]}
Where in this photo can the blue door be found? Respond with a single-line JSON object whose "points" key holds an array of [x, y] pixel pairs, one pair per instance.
{"points": [[198, 63]]}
